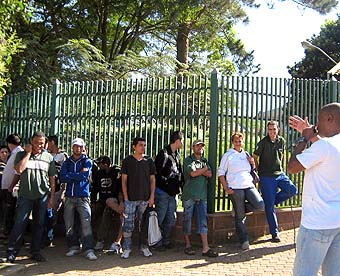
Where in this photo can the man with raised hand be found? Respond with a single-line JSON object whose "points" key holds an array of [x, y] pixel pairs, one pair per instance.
{"points": [[318, 241], [36, 193]]}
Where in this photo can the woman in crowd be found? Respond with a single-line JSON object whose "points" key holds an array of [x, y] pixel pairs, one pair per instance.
{"points": [[234, 175]]}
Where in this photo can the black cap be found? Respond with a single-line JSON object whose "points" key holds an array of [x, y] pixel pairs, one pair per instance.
{"points": [[104, 159]]}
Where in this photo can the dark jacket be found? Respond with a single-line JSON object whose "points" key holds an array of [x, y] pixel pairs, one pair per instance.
{"points": [[78, 182], [169, 177]]}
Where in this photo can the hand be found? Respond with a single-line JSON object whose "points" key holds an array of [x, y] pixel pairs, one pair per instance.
{"points": [[151, 201], [28, 148], [207, 174], [229, 191], [298, 123], [251, 160]]}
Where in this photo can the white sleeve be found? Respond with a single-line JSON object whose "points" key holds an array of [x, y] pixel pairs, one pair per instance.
{"points": [[314, 154], [223, 165]]}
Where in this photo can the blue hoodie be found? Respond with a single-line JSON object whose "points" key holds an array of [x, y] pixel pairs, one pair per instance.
{"points": [[78, 182]]}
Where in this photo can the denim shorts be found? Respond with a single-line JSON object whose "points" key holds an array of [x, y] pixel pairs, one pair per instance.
{"points": [[199, 208]]}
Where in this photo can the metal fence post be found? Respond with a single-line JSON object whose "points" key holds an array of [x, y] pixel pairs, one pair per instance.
{"points": [[55, 107], [213, 140]]}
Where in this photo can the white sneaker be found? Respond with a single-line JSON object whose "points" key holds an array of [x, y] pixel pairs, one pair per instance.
{"points": [[114, 248], [245, 245], [91, 256], [126, 253], [72, 252], [146, 251], [99, 245]]}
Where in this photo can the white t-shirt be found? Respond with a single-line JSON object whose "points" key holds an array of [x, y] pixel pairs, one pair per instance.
{"points": [[236, 167], [321, 188], [9, 171]]}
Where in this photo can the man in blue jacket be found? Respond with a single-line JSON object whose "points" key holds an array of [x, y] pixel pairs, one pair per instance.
{"points": [[75, 171]]}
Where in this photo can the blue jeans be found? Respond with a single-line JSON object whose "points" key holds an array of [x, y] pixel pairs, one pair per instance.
{"points": [[269, 190], [81, 205], [131, 208], [315, 248], [22, 213], [166, 213], [255, 202], [199, 208]]}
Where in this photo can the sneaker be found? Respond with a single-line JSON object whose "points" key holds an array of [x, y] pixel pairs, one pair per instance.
{"points": [[146, 251], [245, 245], [114, 248], [91, 256], [72, 252], [10, 258], [38, 257], [275, 238], [126, 253], [99, 245]]}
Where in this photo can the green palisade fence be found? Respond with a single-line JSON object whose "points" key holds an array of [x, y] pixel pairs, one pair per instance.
{"points": [[109, 114]]}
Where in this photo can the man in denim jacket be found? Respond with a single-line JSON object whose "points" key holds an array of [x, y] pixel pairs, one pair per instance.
{"points": [[75, 171]]}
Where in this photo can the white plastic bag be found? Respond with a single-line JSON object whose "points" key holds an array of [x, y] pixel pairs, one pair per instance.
{"points": [[154, 232]]}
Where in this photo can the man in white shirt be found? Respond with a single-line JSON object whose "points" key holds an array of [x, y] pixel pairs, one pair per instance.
{"points": [[13, 142], [318, 242]]}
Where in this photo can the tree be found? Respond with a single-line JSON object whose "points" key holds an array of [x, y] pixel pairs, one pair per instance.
{"points": [[315, 64]]}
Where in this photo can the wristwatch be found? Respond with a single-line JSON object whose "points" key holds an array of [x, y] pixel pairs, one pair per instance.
{"points": [[302, 139]]}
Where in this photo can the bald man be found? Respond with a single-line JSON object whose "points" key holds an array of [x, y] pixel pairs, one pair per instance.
{"points": [[318, 242]]}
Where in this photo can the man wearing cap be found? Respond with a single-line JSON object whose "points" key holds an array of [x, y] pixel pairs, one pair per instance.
{"points": [[108, 185], [168, 182], [197, 173], [75, 172], [36, 193]]}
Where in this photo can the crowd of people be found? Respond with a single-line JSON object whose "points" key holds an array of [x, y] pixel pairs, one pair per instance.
{"points": [[101, 203]]}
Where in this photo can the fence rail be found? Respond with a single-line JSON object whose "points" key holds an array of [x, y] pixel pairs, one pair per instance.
{"points": [[109, 114]]}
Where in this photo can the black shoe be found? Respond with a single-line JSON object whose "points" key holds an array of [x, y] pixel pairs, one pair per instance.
{"points": [[275, 238], [10, 258], [38, 257]]}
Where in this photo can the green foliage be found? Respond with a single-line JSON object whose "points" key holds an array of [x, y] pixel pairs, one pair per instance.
{"points": [[315, 64]]}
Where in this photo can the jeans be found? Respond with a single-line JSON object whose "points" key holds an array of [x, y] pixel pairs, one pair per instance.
{"points": [[271, 197], [199, 208], [131, 208], [315, 248], [81, 205], [23, 210], [255, 202], [166, 206]]}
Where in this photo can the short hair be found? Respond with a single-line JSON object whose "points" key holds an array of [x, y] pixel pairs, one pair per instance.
{"points": [[236, 134], [272, 122], [334, 109], [53, 138], [39, 134], [175, 136], [4, 147], [137, 139], [13, 139]]}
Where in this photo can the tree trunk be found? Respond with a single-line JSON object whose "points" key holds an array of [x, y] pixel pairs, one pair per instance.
{"points": [[182, 44]]}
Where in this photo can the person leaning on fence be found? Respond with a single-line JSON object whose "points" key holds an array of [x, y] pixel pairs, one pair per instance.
{"points": [[138, 183], [107, 183], [270, 152], [197, 173], [318, 241], [75, 172], [169, 179], [234, 175], [36, 193]]}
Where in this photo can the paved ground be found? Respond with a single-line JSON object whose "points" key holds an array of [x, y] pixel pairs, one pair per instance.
{"points": [[264, 258]]}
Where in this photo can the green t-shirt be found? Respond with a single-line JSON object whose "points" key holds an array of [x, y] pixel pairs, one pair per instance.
{"points": [[270, 154], [194, 187], [34, 180]]}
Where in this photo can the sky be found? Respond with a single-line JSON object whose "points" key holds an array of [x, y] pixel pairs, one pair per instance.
{"points": [[276, 35]]}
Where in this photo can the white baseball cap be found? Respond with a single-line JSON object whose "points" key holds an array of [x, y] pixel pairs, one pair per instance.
{"points": [[78, 142]]}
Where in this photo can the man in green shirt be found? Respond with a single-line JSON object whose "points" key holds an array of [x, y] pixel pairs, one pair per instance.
{"points": [[36, 193], [275, 185], [196, 175]]}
